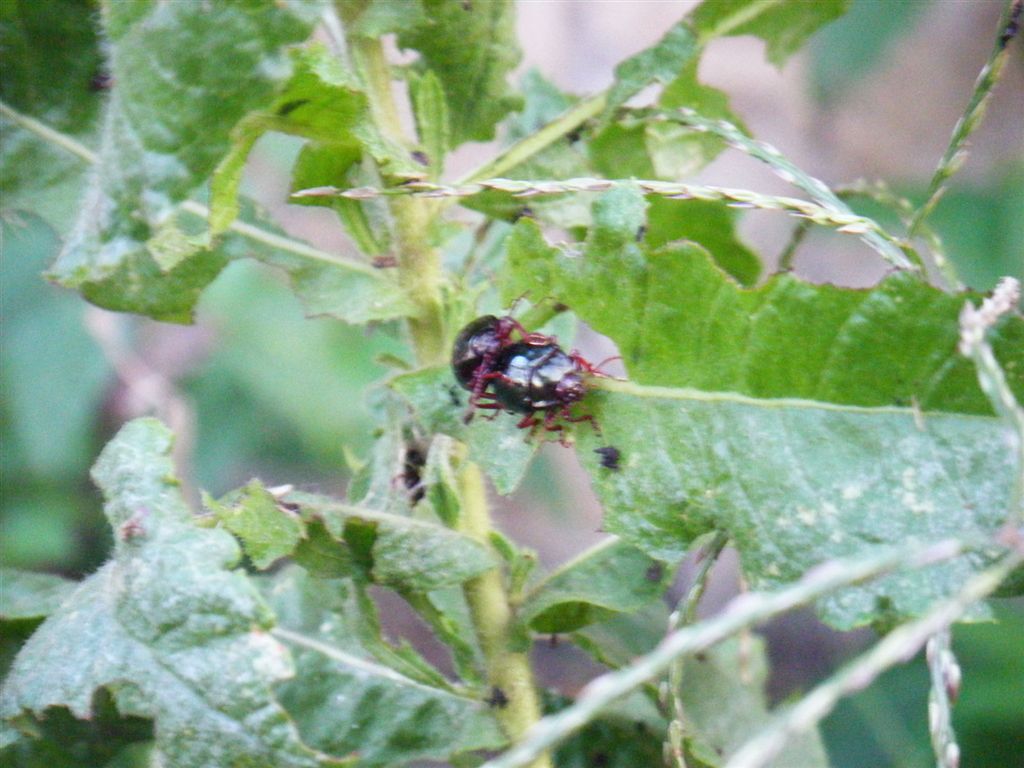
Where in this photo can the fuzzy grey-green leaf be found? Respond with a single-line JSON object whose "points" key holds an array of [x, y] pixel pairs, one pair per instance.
{"points": [[166, 626]]}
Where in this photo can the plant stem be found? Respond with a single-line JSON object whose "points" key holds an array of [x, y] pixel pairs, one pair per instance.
{"points": [[684, 615], [488, 600], [956, 152], [419, 263]]}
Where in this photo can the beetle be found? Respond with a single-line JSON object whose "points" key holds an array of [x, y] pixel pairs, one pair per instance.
{"points": [[476, 350]]}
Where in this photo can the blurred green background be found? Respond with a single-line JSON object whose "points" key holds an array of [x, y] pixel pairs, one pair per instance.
{"points": [[263, 391]]}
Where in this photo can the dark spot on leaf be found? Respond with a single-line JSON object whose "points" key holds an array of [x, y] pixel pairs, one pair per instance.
{"points": [[420, 157], [497, 699], [599, 759], [701, 657], [453, 395], [560, 307], [574, 135], [526, 212], [387, 261], [655, 572], [291, 106], [641, 231], [412, 468], [467, 5], [610, 456], [102, 80], [641, 727]]}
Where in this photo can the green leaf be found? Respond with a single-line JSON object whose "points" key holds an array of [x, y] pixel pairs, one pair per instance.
{"points": [[502, 450], [795, 482], [677, 151], [345, 700], [808, 422], [253, 515], [433, 123], [182, 81], [723, 697], [51, 62], [471, 48], [27, 595], [398, 551], [709, 223], [784, 25], [888, 345], [321, 102], [615, 642], [613, 577], [394, 550], [565, 159], [165, 626], [661, 63], [325, 283]]}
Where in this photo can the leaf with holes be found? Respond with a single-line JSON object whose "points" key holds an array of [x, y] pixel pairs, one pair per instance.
{"points": [[165, 626]]}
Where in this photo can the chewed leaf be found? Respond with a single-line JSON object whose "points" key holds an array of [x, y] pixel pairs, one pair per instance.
{"points": [[166, 626], [784, 26]]}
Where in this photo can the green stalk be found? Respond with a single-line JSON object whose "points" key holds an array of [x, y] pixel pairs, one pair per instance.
{"points": [[419, 263], [488, 600]]}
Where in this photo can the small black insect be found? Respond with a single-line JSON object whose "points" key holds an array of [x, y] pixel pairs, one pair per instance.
{"points": [[610, 456], [497, 699], [654, 572], [413, 461]]}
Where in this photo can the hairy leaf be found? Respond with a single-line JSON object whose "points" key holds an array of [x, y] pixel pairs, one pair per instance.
{"points": [[267, 531], [27, 595], [326, 283], [345, 700], [471, 47], [613, 577], [784, 25], [165, 626], [182, 80], [52, 72]]}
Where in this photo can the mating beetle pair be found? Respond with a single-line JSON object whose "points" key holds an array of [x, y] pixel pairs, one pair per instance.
{"points": [[529, 376]]}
